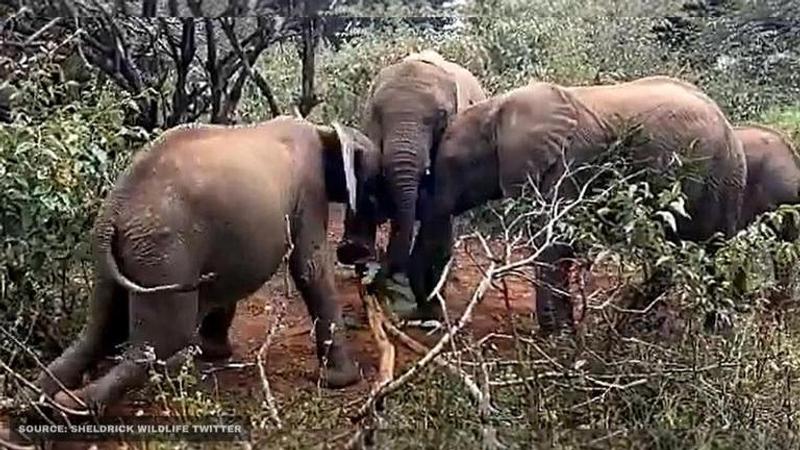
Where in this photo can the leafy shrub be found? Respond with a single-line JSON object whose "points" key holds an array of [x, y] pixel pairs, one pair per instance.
{"points": [[57, 162], [786, 119]]}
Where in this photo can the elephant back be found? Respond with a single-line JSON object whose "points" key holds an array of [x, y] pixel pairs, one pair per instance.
{"points": [[534, 124], [672, 116], [760, 142], [677, 119], [773, 170]]}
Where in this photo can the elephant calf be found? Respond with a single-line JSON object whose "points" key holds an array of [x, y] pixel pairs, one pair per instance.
{"points": [[409, 106], [203, 217], [773, 171], [533, 132]]}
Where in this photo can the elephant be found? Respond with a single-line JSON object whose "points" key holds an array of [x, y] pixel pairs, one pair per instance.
{"points": [[201, 219], [408, 108], [531, 133], [773, 171]]}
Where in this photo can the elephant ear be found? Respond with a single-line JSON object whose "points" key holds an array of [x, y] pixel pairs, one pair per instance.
{"points": [[534, 126], [348, 151]]}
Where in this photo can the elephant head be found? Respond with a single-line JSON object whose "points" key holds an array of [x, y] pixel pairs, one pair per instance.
{"points": [[353, 175], [409, 106]]}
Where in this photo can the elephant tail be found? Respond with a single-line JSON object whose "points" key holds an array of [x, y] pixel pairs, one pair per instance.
{"points": [[105, 235]]}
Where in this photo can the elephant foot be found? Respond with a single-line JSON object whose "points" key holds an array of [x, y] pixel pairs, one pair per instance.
{"points": [[49, 386], [340, 370], [428, 311], [215, 350], [403, 304], [350, 253], [399, 296]]}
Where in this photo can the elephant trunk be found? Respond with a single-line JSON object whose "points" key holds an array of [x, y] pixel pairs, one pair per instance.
{"points": [[407, 146]]}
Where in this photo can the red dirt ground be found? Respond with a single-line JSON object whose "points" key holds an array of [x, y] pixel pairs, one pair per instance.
{"points": [[291, 361]]}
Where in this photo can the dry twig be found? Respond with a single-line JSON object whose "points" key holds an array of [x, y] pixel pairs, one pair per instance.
{"points": [[422, 350], [377, 321], [393, 385], [48, 373], [269, 400]]}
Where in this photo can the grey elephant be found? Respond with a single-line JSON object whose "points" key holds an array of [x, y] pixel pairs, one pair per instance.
{"points": [[201, 219], [409, 106], [493, 148], [773, 171]]}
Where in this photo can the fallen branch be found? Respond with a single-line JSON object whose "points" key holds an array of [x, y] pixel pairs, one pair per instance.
{"points": [[421, 350], [377, 323], [392, 385], [47, 371]]}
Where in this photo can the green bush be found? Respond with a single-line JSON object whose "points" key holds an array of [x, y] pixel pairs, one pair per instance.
{"points": [[786, 119], [57, 161]]}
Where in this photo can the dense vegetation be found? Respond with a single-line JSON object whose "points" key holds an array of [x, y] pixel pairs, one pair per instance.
{"points": [[620, 375]]}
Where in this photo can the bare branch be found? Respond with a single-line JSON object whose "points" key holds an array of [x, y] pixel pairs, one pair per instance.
{"points": [[269, 400], [183, 61], [227, 26], [42, 30], [393, 385], [196, 7], [310, 38], [173, 8], [211, 70], [422, 350]]}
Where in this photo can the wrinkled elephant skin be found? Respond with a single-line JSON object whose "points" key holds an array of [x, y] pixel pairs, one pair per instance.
{"points": [[491, 149], [773, 171], [408, 108], [205, 216]]}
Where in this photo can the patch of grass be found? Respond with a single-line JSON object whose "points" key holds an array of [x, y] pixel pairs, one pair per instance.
{"points": [[786, 119]]}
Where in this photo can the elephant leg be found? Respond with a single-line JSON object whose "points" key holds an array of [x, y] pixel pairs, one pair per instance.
{"points": [[432, 250], [164, 323], [553, 302], [214, 339], [311, 270], [106, 329]]}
